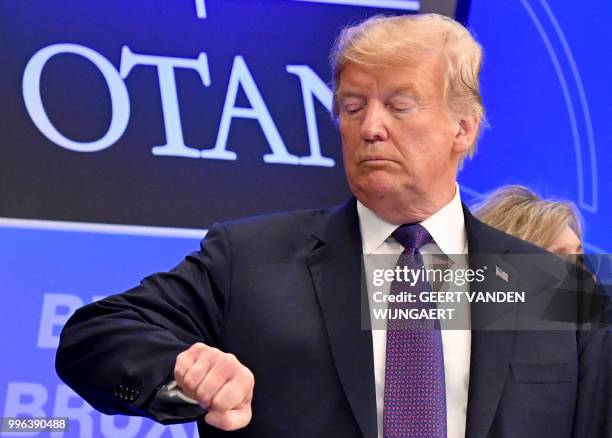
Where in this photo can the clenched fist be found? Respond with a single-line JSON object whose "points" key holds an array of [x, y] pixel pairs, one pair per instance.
{"points": [[219, 383]]}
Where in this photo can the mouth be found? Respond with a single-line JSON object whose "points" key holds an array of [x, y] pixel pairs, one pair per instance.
{"points": [[375, 159]]}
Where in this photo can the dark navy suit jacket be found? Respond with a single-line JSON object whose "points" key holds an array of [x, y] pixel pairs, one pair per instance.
{"points": [[282, 293]]}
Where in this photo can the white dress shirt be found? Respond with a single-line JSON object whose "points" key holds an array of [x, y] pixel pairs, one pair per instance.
{"points": [[447, 228]]}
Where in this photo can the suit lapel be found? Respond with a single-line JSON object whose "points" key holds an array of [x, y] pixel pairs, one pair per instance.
{"points": [[491, 350], [336, 268]]}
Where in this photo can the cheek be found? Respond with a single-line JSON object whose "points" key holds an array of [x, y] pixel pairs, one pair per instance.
{"points": [[347, 151], [350, 143], [418, 145], [428, 147]]}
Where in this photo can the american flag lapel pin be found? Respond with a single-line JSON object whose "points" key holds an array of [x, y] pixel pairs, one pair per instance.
{"points": [[501, 274]]}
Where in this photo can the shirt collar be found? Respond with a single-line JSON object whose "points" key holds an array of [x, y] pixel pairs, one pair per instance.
{"points": [[446, 226]]}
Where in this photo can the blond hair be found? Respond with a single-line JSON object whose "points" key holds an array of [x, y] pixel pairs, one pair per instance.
{"points": [[518, 211], [383, 40]]}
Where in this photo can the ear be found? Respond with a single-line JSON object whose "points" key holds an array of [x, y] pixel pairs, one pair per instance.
{"points": [[467, 128]]}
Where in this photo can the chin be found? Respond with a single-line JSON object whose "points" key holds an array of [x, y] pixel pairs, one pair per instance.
{"points": [[372, 187]]}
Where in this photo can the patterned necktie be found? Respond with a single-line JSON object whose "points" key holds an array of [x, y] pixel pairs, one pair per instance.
{"points": [[415, 398]]}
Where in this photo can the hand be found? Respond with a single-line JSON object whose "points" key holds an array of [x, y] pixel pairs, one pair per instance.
{"points": [[219, 383]]}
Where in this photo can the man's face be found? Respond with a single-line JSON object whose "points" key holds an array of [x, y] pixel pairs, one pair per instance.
{"points": [[398, 136]]}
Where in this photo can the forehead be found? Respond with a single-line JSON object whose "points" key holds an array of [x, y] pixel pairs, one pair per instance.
{"points": [[425, 75], [568, 236], [566, 242]]}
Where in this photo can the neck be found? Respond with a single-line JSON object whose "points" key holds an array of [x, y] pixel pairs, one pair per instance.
{"points": [[409, 207]]}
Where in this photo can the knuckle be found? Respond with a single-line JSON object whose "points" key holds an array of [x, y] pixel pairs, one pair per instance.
{"points": [[211, 355], [178, 372], [198, 347], [181, 360], [229, 398], [192, 378], [202, 395], [217, 403], [248, 376], [231, 363], [212, 350], [203, 361], [188, 382], [218, 377]]}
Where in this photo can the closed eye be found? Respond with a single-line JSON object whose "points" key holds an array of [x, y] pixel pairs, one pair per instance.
{"points": [[352, 109], [400, 108]]}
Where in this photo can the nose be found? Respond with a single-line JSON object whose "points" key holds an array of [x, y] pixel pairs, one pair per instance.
{"points": [[373, 124]]}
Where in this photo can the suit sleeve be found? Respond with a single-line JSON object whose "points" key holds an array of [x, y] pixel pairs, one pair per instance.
{"points": [[116, 353], [594, 403]]}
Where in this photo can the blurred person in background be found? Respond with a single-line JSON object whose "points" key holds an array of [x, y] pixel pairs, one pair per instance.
{"points": [[555, 225]]}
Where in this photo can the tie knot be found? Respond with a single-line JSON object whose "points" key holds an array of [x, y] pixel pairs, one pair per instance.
{"points": [[412, 236]]}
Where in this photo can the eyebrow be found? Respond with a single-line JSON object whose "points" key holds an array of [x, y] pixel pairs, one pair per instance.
{"points": [[394, 92], [403, 90], [349, 93]]}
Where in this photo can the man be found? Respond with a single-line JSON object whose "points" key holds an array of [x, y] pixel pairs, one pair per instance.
{"points": [[262, 327]]}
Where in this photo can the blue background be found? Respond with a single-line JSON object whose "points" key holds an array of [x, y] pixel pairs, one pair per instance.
{"points": [[548, 105]]}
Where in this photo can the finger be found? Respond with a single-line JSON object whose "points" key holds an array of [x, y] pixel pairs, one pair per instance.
{"points": [[196, 374], [234, 393], [230, 420], [186, 359], [224, 369]]}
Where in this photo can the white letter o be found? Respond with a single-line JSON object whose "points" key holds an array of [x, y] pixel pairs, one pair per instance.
{"points": [[119, 98]]}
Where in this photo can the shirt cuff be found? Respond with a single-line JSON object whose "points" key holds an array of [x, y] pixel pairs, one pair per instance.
{"points": [[170, 405]]}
